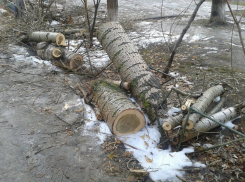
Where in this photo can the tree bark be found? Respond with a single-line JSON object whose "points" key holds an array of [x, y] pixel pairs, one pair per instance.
{"points": [[57, 38], [112, 10], [60, 56], [218, 12], [202, 104], [120, 114], [205, 125], [132, 68], [20, 8]]}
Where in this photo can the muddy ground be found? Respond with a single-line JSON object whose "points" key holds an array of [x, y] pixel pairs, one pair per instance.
{"points": [[42, 140]]}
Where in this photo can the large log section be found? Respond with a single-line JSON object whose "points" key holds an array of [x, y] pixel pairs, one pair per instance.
{"points": [[60, 56], [132, 68], [121, 115]]}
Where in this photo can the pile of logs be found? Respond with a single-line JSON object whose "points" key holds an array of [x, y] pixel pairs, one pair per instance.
{"points": [[196, 124], [110, 99], [51, 47]]}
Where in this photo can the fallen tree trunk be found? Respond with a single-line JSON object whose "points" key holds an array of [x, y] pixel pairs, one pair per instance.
{"points": [[205, 125], [202, 104], [120, 114], [57, 38], [132, 68], [60, 56]]}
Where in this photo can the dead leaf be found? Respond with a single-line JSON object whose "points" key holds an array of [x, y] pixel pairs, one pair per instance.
{"points": [[79, 110], [146, 144], [112, 156], [148, 159], [171, 155]]}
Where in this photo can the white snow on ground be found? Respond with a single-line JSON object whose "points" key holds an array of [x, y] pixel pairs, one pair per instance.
{"points": [[97, 56], [173, 111], [92, 126], [161, 164]]}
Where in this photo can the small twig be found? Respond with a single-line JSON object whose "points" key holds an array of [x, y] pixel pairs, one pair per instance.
{"points": [[104, 69], [182, 179], [62, 120], [43, 149], [130, 145], [212, 163], [170, 61], [183, 130], [238, 26], [191, 169], [220, 145], [4, 70]]}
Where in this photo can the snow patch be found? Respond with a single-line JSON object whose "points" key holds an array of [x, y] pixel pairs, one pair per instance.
{"points": [[161, 164]]}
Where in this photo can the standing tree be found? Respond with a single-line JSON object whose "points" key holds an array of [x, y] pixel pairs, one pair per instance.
{"points": [[218, 12], [112, 10], [20, 7]]}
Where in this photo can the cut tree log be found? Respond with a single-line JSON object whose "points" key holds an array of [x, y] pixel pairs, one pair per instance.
{"points": [[120, 114], [57, 38], [185, 107], [173, 122], [132, 68], [202, 104], [205, 125], [60, 56]]}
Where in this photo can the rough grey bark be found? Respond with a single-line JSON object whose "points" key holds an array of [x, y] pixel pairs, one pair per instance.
{"points": [[120, 114], [112, 10], [131, 67], [218, 12], [20, 7]]}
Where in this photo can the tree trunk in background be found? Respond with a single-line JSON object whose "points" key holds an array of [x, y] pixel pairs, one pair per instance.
{"points": [[218, 12], [20, 7], [120, 114], [132, 68], [112, 10]]}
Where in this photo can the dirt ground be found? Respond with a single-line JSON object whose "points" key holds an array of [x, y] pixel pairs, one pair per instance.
{"points": [[42, 140]]}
